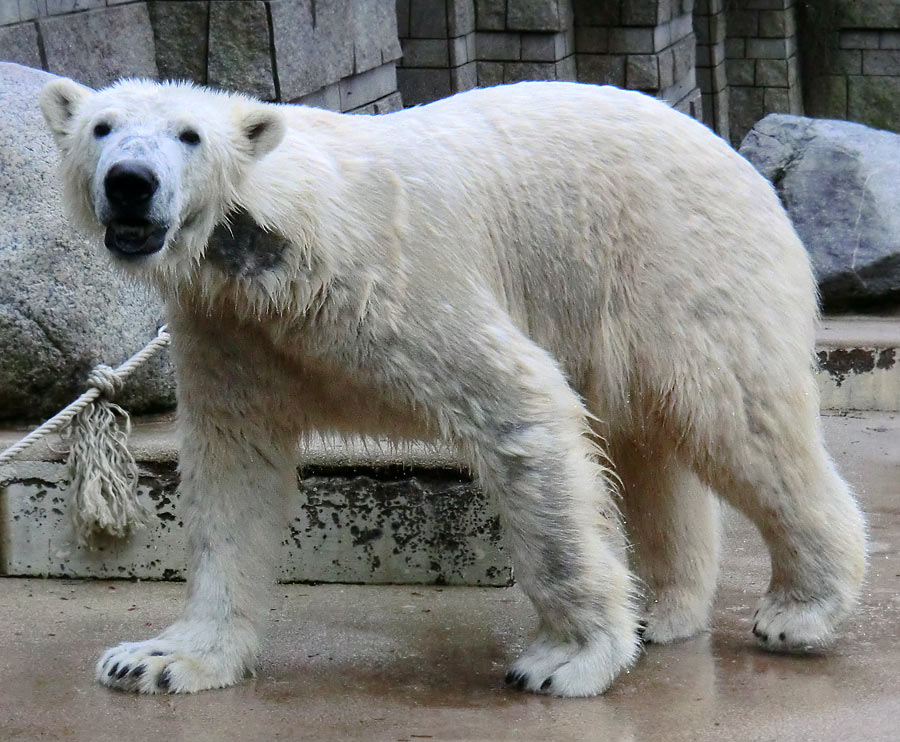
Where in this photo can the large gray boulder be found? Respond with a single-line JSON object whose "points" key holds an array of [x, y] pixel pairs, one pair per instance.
{"points": [[62, 309], [840, 184]]}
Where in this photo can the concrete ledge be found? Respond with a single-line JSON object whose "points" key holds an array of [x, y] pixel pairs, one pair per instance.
{"points": [[859, 363], [365, 512], [358, 524]]}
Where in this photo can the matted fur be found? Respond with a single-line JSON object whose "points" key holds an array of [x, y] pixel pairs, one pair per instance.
{"points": [[502, 270]]}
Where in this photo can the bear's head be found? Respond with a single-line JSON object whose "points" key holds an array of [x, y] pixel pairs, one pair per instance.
{"points": [[155, 166]]}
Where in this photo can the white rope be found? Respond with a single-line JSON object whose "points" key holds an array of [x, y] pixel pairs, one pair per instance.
{"points": [[102, 472]]}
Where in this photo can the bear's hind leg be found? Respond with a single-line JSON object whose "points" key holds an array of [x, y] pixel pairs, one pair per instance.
{"points": [[771, 464], [672, 521]]}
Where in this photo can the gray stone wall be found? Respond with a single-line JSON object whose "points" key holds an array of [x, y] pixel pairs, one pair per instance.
{"points": [[646, 45], [438, 48], [453, 45], [339, 54], [524, 40], [712, 75], [857, 74], [762, 64], [728, 62]]}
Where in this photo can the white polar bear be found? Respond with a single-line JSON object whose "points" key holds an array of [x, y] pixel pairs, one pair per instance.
{"points": [[512, 270]]}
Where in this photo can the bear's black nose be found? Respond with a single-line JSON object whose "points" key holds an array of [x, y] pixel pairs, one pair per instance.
{"points": [[129, 187]]}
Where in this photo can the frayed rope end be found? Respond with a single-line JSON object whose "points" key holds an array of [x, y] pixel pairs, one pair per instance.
{"points": [[102, 473]]}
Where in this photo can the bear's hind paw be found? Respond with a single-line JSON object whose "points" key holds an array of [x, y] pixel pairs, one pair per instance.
{"points": [[781, 624]]}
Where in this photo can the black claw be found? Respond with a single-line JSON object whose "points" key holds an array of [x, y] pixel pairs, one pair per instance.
{"points": [[106, 662], [123, 672], [754, 629], [137, 671], [547, 683], [113, 670], [520, 683], [642, 632], [162, 682], [157, 654], [782, 636], [510, 677]]}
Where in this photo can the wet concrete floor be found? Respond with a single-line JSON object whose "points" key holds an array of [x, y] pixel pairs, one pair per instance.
{"points": [[419, 663]]}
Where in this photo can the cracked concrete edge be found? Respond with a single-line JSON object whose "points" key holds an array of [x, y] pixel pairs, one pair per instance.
{"points": [[859, 331]]}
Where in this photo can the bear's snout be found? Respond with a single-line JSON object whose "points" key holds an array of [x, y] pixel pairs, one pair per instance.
{"points": [[129, 187]]}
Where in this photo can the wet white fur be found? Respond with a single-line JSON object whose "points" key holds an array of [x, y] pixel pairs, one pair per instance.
{"points": [[503, 269]]}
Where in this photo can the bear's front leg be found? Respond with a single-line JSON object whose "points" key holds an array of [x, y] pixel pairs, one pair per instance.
{"points": [[567, 552], [236, 468], [508, 406]]}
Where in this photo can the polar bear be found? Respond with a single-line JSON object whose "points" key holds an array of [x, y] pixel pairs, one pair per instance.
{"points": [[591, 296]]}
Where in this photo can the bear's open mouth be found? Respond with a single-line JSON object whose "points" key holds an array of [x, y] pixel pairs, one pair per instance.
{"points": [[132, 238]]}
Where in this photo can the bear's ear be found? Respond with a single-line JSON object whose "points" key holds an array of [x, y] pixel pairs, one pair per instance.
{"points": [[58, 101], [261, 129]]}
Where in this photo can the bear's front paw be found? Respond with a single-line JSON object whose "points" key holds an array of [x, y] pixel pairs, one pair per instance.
{"points": [[165, 665], [570, 668]]}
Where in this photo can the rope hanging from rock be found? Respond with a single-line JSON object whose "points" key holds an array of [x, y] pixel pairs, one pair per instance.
{"points": [[102, 471]]}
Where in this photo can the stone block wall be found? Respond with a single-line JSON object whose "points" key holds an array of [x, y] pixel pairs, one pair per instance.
{"points": [[728, 62], [646, 45], [93, 41], [438, 48], [339, 54], [454, 45], [524, 40], [762, 65], [858, 72], [712, 76]]}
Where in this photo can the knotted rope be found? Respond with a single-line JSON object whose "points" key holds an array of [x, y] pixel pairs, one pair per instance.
{"points": [[102, 471]]}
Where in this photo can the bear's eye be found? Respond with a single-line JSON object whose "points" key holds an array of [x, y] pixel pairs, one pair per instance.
{"points": [[189, 136], [101, 130]]}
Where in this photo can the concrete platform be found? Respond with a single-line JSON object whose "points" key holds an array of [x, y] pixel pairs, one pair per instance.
{"points": [[411, 663]]}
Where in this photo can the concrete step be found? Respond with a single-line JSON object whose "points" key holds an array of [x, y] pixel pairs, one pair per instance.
{"points": [[364, 512], [859, 363]]}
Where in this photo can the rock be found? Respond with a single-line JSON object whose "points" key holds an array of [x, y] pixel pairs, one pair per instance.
{"points": [[63, 309], [840, 184], [19, 43]]}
